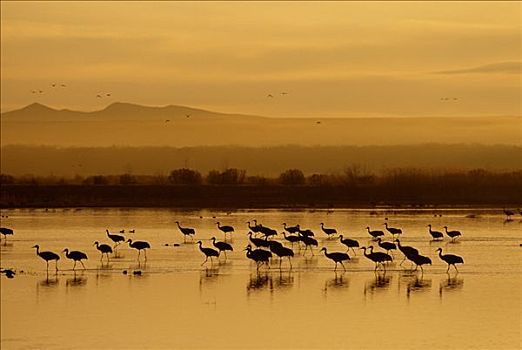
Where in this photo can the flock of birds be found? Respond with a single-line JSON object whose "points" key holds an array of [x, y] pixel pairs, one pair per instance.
{"points": [[262, 247]]}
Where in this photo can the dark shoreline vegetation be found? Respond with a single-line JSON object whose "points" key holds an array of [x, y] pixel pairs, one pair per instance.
{"points": [[232, 188]]}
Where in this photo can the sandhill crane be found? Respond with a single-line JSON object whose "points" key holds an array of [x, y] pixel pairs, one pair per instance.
{"points": [[420, 260], [377, 257], [508, 214], [306, 232], [309, 242], [8, 273], [139, 245], [254, 228], [104, 249], [47, 256], [291, 229], [260, 256], [394, 231], [225, 229], [282, 252], [187, 231], [386, 245], [267, 231], [406, 250], [222, 246], [336, 257], [209, 252], [117, 239], [292, 238], [375, 233], [328, 231], [272, 245], [6, 231], [349, 243], [76, 256], [452, 234], [258, 242], [450, 259], [435, 234]]}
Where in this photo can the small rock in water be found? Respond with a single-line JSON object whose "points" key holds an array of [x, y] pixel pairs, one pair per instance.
{"points": [[124, 272]]}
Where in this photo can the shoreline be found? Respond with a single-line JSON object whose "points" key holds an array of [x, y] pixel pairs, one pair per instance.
{"points": [[255, 197]]}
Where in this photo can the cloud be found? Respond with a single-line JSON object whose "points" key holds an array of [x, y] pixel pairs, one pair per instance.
{"points": [[495, 68]]}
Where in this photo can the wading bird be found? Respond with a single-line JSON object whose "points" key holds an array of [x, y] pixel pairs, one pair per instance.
{"points": [[420, 260], [292, 238], [187, 231], [75, 256], [349, 243], [6, 231], [222, 246], [336, 257], [452, 234], [139, 246], [260, 256], [328, 231], [47, 256], [435, 234], [104, 249], [394, 231], [282, 252], [258, 242], [375, 233], [117, 239], [309, 242], [208, 252], [450, 259], [377, 257], [386, 245], [406, 250], [225, 229], [291, 229]]}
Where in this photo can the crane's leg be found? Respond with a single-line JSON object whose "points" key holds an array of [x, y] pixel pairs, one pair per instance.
{"points": [[226, 257], [145, 252], [448, 268], [402, 260], [47, 262], [335, 269], [290, 262], [354, 253], [56, 263], [280, 262], [82, 264], [139, 252], [455, 266], [204, 261], [343, 266], [101, 257], [74, 265]]}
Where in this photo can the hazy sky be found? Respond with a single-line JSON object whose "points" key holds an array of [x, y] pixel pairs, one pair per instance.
{"points": [[334, 59]]}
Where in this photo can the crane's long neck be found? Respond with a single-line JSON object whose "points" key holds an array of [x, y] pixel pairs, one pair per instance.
{"points": [[440, 254], [179, 226], [37, 250]]}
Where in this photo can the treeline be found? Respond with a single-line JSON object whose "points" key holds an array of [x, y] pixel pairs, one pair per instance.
{"points": [[355, 175]]}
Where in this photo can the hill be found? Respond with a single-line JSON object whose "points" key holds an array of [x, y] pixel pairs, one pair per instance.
{"points": [[125, 124]]}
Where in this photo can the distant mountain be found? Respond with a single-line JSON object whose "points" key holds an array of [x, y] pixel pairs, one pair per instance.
{"points": [[116, 111], [126, 124]]}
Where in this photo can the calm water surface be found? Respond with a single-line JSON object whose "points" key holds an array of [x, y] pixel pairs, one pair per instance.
{"points": [[177, 303]]}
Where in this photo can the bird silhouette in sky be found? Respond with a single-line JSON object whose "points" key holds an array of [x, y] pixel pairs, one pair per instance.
{"points": [[284, 93], [270, 95]]}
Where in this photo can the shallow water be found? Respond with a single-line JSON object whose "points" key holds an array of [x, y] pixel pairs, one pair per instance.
{"points": [[177, 303]]}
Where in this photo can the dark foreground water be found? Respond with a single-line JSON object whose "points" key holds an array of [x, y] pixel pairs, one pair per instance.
{"points": [[176, 303]]}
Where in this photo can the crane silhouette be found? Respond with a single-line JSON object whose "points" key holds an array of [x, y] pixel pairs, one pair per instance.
{"points": [[267, 231], [6, 231], [452, 234], [450, 259], [406, 250], [47, 256], [254, 228], [187, 231], [222, 246], [328, 231], [386, 245], [435, 234], [375, 233], [139, 246], [309, 242], [225, 229], [258, 242], [420, 260], [282, 252], [259, 256], [104, 249], [336, 257], [291, 238], [394, 231], [117, 239], [377, 257], [291, 229], [349, 243], [306, 232], [209, 252], [75, 256], [508, 214]]}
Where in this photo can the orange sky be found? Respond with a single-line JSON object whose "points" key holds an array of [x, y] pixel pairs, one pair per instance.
{"points": [[334, 59]]}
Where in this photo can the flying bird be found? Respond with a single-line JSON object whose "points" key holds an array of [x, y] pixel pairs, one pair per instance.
{"points": [[270, 95]]}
